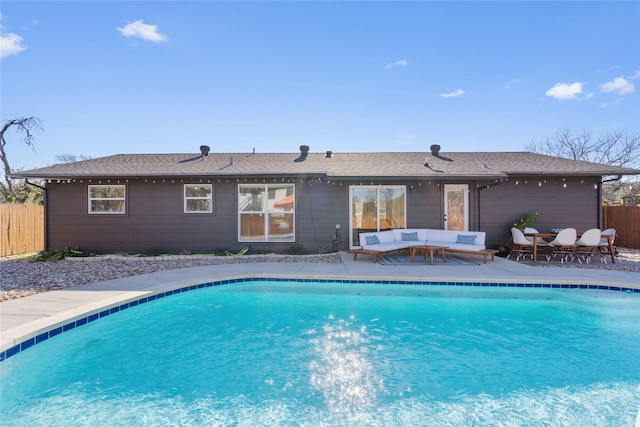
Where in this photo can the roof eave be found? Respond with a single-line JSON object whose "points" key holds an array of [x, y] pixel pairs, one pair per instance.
{"points": [[67, 176], [574, 173]]}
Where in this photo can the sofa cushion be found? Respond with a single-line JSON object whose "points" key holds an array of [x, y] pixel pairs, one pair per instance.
{"points": [[372, 240], [467, 239], [386, 236], [409, 237], [387, 246], [441, 235], [421, 233]]}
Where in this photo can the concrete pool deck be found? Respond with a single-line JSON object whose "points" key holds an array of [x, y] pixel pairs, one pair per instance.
{"points": [[25, 318]]}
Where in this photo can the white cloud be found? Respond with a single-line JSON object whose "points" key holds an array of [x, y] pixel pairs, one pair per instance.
{"points": [[457, 94], [511, 83], [619, 85], [402, 63], [10, 44], [141, 30], [564, 91]]}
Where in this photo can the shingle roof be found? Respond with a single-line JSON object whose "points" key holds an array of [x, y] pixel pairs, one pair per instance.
{"points": [[464, 165]]}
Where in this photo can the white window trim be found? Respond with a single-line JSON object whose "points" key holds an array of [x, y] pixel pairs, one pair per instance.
{"points": [[265, 213], [377, 188], [90, 199], [210, 198]]}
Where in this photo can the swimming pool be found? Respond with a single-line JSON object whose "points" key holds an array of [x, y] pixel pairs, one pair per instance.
{"points": [[284, 353]]}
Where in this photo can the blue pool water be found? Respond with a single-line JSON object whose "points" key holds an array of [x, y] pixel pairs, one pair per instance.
{"points": [[274, 353]]}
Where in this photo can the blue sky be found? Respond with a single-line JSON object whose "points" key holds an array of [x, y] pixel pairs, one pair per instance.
{"points": [[166, 77]]}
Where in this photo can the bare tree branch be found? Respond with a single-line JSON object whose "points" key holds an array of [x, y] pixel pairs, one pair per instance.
{"points": [[27, 126], [617, 147], [71, 158]]}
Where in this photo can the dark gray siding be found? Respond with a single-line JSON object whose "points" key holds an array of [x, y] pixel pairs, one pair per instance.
{"points": [[319, 207], [577, 205], [155, 218], [424, 205]]}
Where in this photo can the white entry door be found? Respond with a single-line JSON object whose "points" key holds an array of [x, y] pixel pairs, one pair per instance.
{"points": [[456, 207]]}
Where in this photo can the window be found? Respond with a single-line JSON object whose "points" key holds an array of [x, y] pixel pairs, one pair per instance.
{"points": [[198, 198], [107, 199], [376, 208], [266, 213]]}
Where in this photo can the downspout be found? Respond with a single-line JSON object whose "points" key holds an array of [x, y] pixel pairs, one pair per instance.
{"points": [[602, 181], [46, 212]]}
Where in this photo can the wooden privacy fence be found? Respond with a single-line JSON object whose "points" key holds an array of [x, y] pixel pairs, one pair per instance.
{"points": [[22, 228], [626, 221]]}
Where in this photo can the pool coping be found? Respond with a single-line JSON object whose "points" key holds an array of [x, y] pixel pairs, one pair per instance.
{"points": [[27, 321]]}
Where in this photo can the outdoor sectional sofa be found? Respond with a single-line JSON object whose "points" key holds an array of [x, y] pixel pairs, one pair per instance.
{"points": [[383, 242]]}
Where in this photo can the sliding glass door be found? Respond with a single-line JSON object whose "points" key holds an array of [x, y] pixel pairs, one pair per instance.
{"points": [[375, 208]]}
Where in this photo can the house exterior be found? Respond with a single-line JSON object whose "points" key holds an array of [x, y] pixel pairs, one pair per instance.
{"points": [[270, 202]]}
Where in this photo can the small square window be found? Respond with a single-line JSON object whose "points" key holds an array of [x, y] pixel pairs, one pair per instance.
{"points": [[198, 198], [107, 199]]}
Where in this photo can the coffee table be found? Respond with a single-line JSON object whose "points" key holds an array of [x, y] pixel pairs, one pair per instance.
{"points": [[424, 250]]}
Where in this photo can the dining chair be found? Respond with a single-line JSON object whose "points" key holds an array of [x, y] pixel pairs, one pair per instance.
{"points": [[521, 245], [589, 242], [564, 244], [603, 246]]}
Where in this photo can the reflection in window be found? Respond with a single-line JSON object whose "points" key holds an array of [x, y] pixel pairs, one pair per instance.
{"points": [[198, 198], [376, 208], [106, 199], [267, 212]]}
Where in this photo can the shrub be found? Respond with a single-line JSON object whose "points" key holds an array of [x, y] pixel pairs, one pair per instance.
{"points": [[297, 250], [58, 254], [526, 221]]}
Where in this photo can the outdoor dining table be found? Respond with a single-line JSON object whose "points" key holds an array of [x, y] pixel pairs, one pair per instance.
{"points": [[537, 236]]}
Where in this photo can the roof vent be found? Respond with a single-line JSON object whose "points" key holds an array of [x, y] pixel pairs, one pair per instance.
{"points": [[204, 149], [435, 150], [304, 150]]}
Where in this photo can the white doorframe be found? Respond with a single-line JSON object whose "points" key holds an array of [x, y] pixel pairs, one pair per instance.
{"points": [[456, 196]]}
